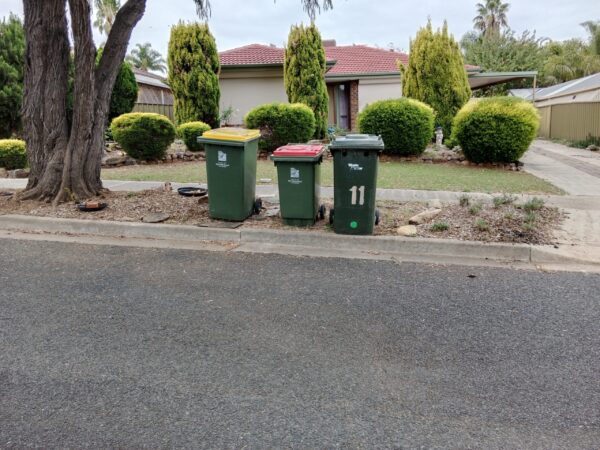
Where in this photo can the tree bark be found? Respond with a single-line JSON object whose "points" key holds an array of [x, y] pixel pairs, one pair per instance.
{"points": [[44, 112], [65, 165]]}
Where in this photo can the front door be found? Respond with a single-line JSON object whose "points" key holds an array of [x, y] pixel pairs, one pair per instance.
{"points": [[342, 93]]}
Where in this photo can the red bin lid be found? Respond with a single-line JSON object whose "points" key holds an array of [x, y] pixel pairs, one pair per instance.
{"points": [[295, 150]]}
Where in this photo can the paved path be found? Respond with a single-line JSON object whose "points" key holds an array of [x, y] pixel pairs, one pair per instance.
{"points": [[112, 347], [576, 171]]}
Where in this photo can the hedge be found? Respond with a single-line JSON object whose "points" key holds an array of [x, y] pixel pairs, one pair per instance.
{"points": [[406, 125], [189, 132], [143, 135], [496, 129], [281, 123], [12, 154]]}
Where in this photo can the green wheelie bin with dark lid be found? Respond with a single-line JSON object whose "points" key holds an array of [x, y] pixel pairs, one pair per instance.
{"points": [[231, 171], [299, 175], [355, 164]]}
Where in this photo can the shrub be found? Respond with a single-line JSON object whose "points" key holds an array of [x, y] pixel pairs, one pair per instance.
{"points": [[194, 67], [405, 125], [12, 58], [189, 132], [497, 129], [12, 154], [440, 226], [281, 123], [475, 209], [304, 68], [482, 225], [143, 135], [436, 74], [125, 90], [534, 204]]}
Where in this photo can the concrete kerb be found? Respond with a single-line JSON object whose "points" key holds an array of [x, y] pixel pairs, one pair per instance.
{"points": [[117, 229], [391, 244], [388, 245]]}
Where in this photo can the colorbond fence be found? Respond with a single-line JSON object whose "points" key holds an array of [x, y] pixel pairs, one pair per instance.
{"points": [[570, 121], [165, 110]]}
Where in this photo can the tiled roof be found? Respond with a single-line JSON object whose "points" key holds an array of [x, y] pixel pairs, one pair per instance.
{"points": [[252, 54], [361, 59], [351, 59]]}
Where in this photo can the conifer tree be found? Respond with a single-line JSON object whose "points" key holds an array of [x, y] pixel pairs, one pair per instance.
{"points": [[304, 73], [12, 56], [436, 74], [194, 74]]}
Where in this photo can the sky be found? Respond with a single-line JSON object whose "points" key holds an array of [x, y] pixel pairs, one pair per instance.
{"points": [[382, 23]]}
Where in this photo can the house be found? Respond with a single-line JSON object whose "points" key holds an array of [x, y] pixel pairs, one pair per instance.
{"points": [[154, 95], [581, 90], [356, 76], [569, 110]]}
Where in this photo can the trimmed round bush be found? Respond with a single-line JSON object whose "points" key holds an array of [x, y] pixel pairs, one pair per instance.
{"points": [[282, 123], [143, 136], [13, 154], [406, 125], [189, 132], [496, 129]]}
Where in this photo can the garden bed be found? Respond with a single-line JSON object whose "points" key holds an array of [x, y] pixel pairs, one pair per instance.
{"points": [[532, 223]]}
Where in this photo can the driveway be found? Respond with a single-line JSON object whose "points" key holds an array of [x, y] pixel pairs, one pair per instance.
{"points": [[576, 171], [115, 347]]}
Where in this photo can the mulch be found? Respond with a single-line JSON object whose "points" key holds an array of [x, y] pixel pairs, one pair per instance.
{"points": [[506, 223]]}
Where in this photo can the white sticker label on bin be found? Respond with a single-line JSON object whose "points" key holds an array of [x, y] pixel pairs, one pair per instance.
{"points": [[294, 176], [354, 166], [222, 159]]}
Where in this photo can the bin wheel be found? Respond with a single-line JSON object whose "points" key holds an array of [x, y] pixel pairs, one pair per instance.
{"points": [[377, 217], [322, 212], [331, 214], [257, 206]]}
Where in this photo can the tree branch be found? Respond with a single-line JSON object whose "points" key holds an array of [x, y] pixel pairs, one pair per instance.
{"points": [[116, 47]]}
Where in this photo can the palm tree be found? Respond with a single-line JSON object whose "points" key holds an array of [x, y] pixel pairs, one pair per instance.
{"points": [[144, 57], [106, 11], [593, 28], [491, 17]]}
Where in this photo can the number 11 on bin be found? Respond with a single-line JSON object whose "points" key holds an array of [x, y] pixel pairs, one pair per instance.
{"points": [[358, 190]]}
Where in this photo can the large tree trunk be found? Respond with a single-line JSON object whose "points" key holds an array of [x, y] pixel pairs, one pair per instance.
{"points": [[45, 124], [66, 165]]}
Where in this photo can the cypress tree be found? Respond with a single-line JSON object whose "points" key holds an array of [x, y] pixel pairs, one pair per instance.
{"points": [[125, 91], [436, 74], [12, 56], [304, 73], [194, 74]]}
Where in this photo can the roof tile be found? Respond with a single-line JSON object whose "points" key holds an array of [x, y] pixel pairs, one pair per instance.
{"points": [[350, 59]]}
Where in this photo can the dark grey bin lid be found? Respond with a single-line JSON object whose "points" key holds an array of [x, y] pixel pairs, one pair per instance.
{"points": [[358, 141]]}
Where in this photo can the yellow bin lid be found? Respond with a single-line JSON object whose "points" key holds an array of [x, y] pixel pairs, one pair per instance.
{"points": [[231, 134]]}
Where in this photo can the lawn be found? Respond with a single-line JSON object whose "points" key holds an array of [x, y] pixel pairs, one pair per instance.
{"points": [[392, 175]]}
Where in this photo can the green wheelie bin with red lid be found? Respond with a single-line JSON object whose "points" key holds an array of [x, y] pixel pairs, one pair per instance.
{"points": [[299, 177]]}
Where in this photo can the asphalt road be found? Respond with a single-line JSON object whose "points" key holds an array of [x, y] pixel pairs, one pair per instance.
{"points": [[114, 347]]}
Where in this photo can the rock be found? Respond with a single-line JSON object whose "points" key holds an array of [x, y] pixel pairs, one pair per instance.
{"points": [[407, 230], [18, 173], [113, 160], [202, 200], [435, 203], [272, 212], [425, 216], [3, 172], [593, 148], [155, 217], [265, 180]]}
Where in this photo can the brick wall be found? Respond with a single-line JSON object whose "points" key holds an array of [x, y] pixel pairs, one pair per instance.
{"points": [[353, 105]]}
